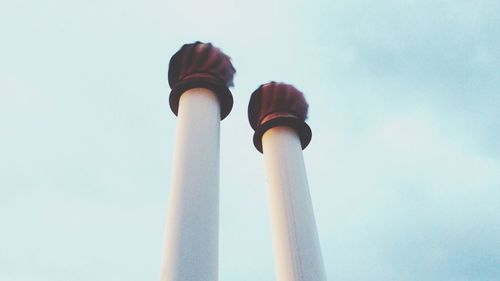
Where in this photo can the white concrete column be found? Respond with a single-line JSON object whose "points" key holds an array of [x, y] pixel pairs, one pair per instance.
{"points": [[295, 239], [191, 244]]}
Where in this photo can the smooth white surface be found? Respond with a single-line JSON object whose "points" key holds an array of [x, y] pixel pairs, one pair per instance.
{"points": [[295, 239], [191, 245]]}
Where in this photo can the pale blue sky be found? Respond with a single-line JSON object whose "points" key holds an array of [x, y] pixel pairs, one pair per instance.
{"points": [[404, 164]]}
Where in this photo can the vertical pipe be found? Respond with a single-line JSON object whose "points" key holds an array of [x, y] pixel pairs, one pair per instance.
{"points": [[295, 239], [191, 246], [199, 75], [277, 113]]}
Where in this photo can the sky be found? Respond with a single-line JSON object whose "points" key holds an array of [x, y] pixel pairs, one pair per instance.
{"points": [[403, 167]]}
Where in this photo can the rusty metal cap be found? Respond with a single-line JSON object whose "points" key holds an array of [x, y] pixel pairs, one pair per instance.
{"points": [[201, 65], [278, 104]]}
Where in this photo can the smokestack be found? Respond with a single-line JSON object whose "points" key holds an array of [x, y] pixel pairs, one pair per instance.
{"points": [[277, 113], [199, 75]]}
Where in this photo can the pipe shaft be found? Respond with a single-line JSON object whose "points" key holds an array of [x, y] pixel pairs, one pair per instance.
{"points": [[191, 243], [296, 245]]}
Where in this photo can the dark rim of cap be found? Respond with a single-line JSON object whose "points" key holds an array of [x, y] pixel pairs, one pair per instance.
{"points": [[216, 85], [300, 126]]}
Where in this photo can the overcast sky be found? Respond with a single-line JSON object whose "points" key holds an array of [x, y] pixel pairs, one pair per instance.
{"points": [[404, 164]]}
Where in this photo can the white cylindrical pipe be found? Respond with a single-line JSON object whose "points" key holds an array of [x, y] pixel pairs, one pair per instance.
{"points": [[191, 244], [295, 239]]}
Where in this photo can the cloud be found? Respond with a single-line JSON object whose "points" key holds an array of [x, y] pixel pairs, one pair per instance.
{"points": [[404, 201]]}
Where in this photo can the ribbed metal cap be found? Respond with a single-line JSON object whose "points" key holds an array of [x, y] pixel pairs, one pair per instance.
{"points": [[278, 104], [201, 65]]}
